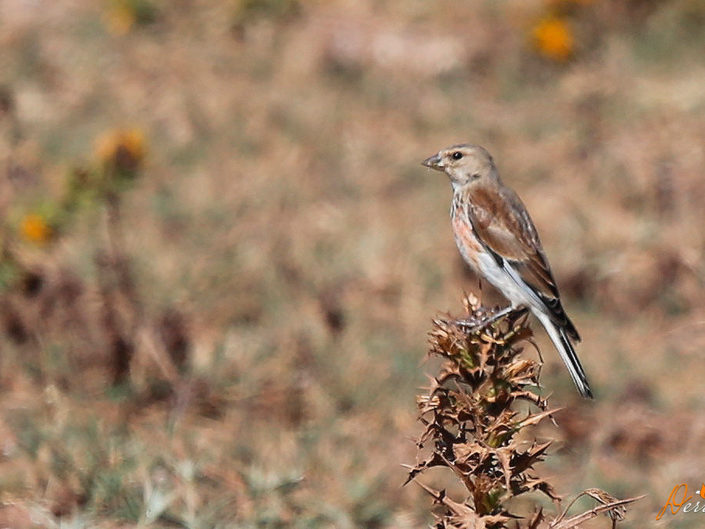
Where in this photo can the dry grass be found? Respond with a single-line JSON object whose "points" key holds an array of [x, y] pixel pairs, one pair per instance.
{"points": [[232, 336]]}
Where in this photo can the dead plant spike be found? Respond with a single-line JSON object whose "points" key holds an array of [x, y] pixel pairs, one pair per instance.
{"points": [[474, 425]]}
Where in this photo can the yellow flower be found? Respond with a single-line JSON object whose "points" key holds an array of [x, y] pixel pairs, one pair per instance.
{"points": [[553, 38], [123, 149], [119, 18], [34, 228]]}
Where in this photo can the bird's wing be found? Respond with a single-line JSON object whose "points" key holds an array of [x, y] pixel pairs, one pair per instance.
{"points": [[502, 223]]}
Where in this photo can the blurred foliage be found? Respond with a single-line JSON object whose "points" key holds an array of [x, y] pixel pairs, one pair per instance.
{"points": [[215, 319], [249, 9], [122, 15]]}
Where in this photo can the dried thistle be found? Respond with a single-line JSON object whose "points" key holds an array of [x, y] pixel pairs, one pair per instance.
{"points": [[473, 426]]}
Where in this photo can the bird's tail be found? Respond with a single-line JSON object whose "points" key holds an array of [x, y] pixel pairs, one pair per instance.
{"points": [[560, 339]]}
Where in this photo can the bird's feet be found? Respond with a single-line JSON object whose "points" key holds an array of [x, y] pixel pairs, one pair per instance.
{"points": [[475, 324]]}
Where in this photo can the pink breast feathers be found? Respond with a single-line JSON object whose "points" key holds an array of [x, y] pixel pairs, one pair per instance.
{"points": [[467, 243]]}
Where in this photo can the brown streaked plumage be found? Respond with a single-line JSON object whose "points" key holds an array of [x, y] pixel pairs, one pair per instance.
{"points": [[497, 238]]}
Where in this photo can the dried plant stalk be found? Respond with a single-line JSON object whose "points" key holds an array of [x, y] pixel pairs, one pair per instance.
{"points": [[473, 427]]}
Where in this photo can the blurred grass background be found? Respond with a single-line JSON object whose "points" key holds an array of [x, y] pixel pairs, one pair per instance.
{"points": [[220, 255]]}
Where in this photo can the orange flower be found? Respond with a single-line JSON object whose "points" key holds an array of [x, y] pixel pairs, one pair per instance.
{"points": [[119, 18], [34, 228], [553, 38], [125, 149]]}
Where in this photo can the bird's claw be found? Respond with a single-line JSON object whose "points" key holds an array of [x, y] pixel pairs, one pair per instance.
{"points": [[473, 325]]}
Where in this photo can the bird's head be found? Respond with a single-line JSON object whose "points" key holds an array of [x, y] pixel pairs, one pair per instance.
{"points": [[464, 164]]}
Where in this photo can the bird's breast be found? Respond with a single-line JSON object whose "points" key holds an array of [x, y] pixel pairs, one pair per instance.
{"points": [[470, 248]]}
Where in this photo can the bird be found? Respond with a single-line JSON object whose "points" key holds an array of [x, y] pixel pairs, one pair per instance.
{"points": [[498, 240]]}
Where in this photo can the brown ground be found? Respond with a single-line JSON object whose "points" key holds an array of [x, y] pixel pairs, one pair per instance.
{"points": [[280, 251]]}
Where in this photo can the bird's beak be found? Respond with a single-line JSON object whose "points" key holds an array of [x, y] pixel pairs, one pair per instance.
{"points": [[434, 162]]}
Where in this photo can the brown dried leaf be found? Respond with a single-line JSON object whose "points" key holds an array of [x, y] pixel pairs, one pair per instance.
{"points": [[535, 418], [433, 461], [531, 483], [457, 509], [523, 461], [504, 456], [536, 519]]}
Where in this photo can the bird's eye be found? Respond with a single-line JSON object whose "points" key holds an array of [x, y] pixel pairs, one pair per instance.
{"points": [[457, 155]]}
